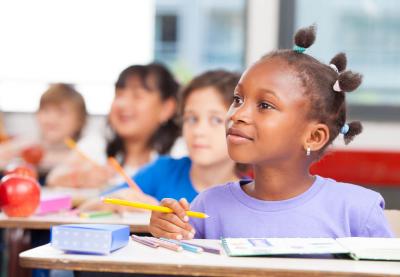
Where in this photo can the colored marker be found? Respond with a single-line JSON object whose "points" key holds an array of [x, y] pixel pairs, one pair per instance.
{"points": [[166, 244], [206, 248], [144, 241], [96, 214], [185, 246]]}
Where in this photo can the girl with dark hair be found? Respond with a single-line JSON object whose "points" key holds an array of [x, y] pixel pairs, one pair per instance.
{"points": [[204, 103], [287, 108], [141, 123]]}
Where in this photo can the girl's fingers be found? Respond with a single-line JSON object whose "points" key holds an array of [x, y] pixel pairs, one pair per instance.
{"points": [[159, 233], [184, 203], [165, 228], [176, 207], [173, 219]]}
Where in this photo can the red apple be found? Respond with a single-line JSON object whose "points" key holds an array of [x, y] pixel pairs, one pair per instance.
{"points": [[32, 154], [19, 195], [22, 169]]}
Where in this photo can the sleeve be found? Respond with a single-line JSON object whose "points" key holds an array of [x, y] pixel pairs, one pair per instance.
{"points": [[377, 224], [198, 223]]}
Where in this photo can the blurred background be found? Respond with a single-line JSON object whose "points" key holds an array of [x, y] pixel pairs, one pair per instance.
{"points": [[87, 43]]}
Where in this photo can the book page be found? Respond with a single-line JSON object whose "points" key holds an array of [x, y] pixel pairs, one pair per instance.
{"points": [[281, 246], [372, 248]]}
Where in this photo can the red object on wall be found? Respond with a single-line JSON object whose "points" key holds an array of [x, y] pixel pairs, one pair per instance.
{"points": [[375, 168]]}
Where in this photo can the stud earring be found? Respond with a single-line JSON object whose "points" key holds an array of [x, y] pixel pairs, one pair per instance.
{"points": [[308, 152]]}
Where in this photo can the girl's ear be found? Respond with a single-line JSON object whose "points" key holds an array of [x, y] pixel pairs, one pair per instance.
{"points": [[317, 137], [168, 110]]}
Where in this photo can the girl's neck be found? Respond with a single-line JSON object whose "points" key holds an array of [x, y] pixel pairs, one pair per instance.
{"points": [[279, 183], [204, 177], [137, 154]]}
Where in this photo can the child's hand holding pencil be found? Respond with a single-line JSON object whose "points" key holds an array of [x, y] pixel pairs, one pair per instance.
{"points": [[172, 225]]}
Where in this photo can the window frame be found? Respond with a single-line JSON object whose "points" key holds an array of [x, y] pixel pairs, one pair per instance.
{"points": [[377, 113]]}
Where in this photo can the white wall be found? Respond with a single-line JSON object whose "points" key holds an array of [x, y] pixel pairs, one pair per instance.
{"points": [[262, 28], [87, 43]]}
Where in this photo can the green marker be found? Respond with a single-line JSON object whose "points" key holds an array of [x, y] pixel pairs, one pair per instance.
{"points": [[96, 214]]}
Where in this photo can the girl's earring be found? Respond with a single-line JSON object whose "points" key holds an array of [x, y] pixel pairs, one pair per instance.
{"points": [[308, 152]]}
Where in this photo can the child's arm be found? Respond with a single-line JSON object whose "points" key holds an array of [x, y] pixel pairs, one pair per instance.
{"points": [[75, 172], [172, 225]]}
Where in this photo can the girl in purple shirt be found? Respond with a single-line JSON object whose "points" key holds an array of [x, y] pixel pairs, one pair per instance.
{"points": [[288, 108]]}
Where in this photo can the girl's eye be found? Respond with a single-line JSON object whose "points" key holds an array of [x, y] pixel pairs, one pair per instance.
{"points": [[215, 120], [265, 106], [237, 100], [190, 120]]}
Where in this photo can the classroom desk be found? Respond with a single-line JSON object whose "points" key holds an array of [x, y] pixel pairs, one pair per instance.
{"points": [[138, 222], [137, 258]]}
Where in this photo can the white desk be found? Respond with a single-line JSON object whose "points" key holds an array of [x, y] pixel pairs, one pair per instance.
{"points": [[138, 222], [137, 258]]}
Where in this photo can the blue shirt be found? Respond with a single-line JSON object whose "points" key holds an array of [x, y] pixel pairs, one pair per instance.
{"points": [[167, 177]]}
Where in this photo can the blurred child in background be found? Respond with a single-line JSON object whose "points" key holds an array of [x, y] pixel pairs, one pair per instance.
{"points": [[142, 126], [204, 103], [61, 114]]}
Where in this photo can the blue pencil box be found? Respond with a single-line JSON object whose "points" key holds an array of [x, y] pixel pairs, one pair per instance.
{"points": [[89, 238]]}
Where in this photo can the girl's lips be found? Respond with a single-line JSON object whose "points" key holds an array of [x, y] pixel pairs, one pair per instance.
{"points": [[238, 133], [237, 137], [200, 146], [125, 118]]}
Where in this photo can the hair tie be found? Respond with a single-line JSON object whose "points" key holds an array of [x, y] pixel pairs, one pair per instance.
{"points": [[334, 67], [336, 86], [299, 49], [345, 129]]}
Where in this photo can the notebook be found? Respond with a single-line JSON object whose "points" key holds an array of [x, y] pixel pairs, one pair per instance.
{"points": [[355, 247]]}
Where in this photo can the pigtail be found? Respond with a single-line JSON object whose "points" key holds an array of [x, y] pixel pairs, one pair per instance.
{"points": [[339, 62], [354, 128], [347, 81], [304, 38]]}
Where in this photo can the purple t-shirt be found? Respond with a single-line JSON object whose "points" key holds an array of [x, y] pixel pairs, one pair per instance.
{"points": [[327, 209]]}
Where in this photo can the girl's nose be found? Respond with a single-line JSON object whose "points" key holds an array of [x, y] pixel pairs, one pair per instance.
{"points": [[240, 114], [121, 102], [201, 128]]}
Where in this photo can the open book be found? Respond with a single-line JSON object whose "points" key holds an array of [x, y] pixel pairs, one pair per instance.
{"points": [[355, 247]]}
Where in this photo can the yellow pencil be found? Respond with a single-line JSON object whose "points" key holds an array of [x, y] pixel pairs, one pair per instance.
{"points": [[150, 207]]}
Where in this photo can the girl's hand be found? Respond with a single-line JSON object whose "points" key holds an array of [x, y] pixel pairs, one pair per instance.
{"points": [[90, 176], [172, 225]]}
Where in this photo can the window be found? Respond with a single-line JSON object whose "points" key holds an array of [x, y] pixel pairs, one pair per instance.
{"points": [[198, 35], [166, 37], [368, 32]]}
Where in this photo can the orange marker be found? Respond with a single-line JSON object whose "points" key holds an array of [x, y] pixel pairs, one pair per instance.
{"points": [[118, 168], [72, 145]]}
